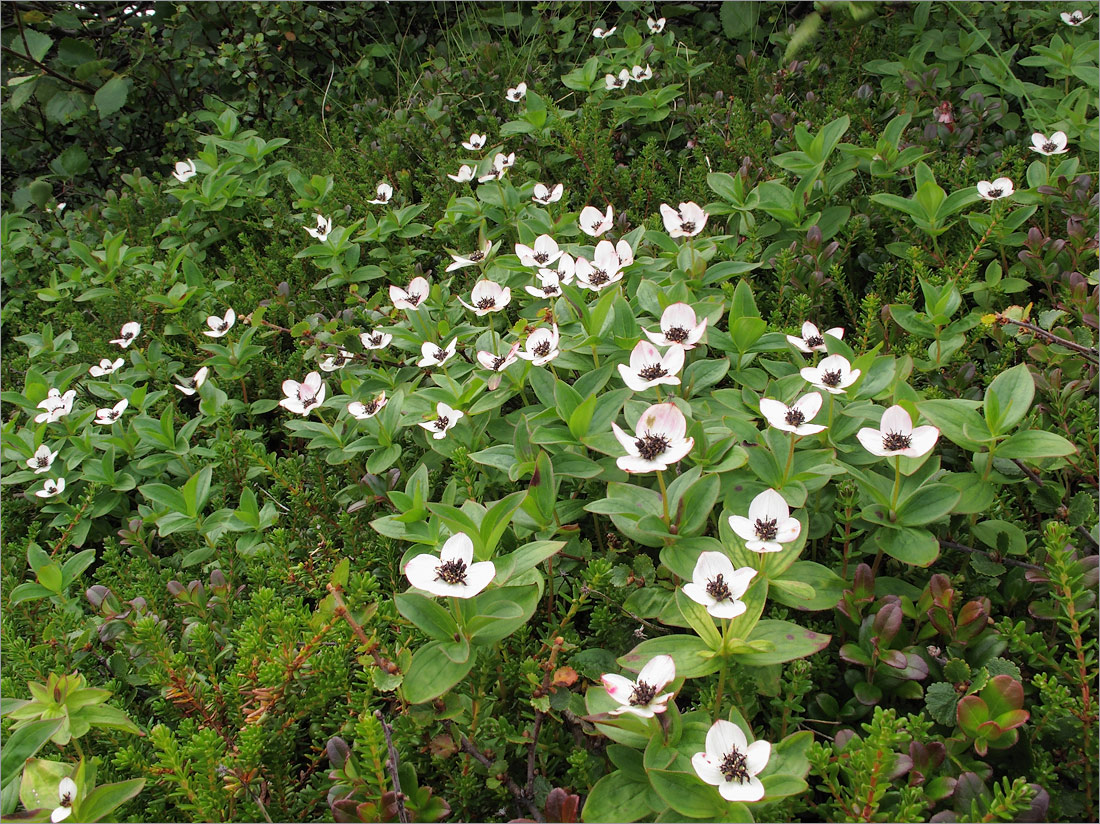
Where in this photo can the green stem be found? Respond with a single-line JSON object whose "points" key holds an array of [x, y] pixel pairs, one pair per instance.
{"points": [[897, 487], [664, 494], [790, 459], [721, 687]]}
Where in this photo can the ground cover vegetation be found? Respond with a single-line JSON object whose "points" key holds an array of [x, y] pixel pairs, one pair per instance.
{"points": [[551, 411]]}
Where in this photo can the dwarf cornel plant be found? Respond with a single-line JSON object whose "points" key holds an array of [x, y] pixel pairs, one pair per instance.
{"points": [[549, 412]]}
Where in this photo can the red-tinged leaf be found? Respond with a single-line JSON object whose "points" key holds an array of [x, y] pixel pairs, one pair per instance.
{"points": [[1002, 694], [971, 713], [1012, 719]]}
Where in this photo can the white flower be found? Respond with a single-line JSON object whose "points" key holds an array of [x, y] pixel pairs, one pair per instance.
{"points": [[43, 459], [59, 208], [465, 172], [620, 82], [302, 397], [834, 374], [600, 34], [717, 585], [127, 334], [57, 406], [999, 188], [189, 386], [769, 524], [655, 26], [432, 355], [731, 763], [66, 792], [897, 436], [648, 368], [362, 411], [476, 141], [551, 281], [642, 697], [324, 227], [658, 440], [338, 361], [541, 346], [605, 268], [106, 367], [416, 294], [501, 163], [445, 418], [384, 192], [486, 297], [517, 94], [640, 75], [687, 222], [375, 339], [1056, 144], [219, 326], [679, 327], [475, 258], [794, 418], [545, 195], [111, 413], [624, 253], [452, 573], [498, 363], [1075, 18], [543, 253], [813, 340], [51, 488], [185, 170], [593, 223]]}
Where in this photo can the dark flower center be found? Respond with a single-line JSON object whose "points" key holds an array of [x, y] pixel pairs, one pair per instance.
{"points": [[717, 588], [1050, 146], [649, 446], [127, 335], [815, 340], [895, 441], [994, 192], [306, 402], [414, 298], [596, 226], [498, 362], [830, 378], [371, 408], [643, 694], [440, 355], [376, 340], [794, 417], [452, 572], [42, 461], [542, 348], [688, 226], [550, 290], [541, 257], [677, 334], [66, 800], [1076, 17], [476, 256], [652, 372], [221, 326], [598, 277], [766, 530], [486, 303], [112, 415], [735, 767], [441, 424]]}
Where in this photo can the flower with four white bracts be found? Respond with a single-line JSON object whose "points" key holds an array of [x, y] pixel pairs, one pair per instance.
{"points": [[412, 297], [362, 411], [612, 82], [593, 222], [655, 26], [516, 94], [717, 585], [896, 436], [1056, 144], [545, 194], [551, 281], [1074, 18], [111, 414], [834, 374], [220, 325], [106, 367], [501, 164], [465, 172], [375, 339], [486, 297], [648, 368], [688, 221], [475, 142], [302, 398], [475, 258], [640, 75], [51, 488], [324, 227], [445, 419], [679, 327], [543, 253], [605, 268], [57, 406], [66, 797], [42, 459], [796, 417], [642, 697], [541, 346], [731, 763], [999, 188], [452, 574], [128, 334], [812, 339], [498, 363], [601, 34], [189, 386], [385, 194], [338, 361], [184, 170], [659, 440], [769, 524], [432, 355]]}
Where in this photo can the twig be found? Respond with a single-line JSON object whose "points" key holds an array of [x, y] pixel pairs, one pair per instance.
{"points": [[341, 611], [1031, 476], [402, 814], [467, 746], [625, 611], [999, 560], [1038, 331], [84, 87]]}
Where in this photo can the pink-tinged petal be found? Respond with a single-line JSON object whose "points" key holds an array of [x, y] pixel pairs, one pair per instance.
{"points": [[659, 672], [631, 379], [697, 593], [724, 737], [665, 418], [677, 450], [836, 332], [641, 712], [696, 334], [656, 338], [775, 413], [710, 565], [727, 609], [674, 360], [751, 790], [637, 465], [810, 429], [643, 354], [742, 527], [757, 755], [810, 374], [809, 405], [627, 441], [479, 576], [833, 363], [739, 580], [788, 530], [800, 345], [922, 441], [671, 218], [618, 687], [897, 420], [809, 330], [769, 505], [458, 547], [1038, 141], [421, 571], [871, 439], [763, 546], [707, 770]]}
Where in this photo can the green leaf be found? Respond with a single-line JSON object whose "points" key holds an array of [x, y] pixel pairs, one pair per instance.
{"points": [[23, 744], [428, 616], [108, 717], [1034, 444], [1012, 392], [958, 421], [526, 557], [918, 547], [825, 586], [500, 612], [692, 655], [739, 19], [431, 673], [616, 798], [927, 505], [789, 640], [698, 619], [105, 799], [686, 793], [50, 577], [37, 45]]}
